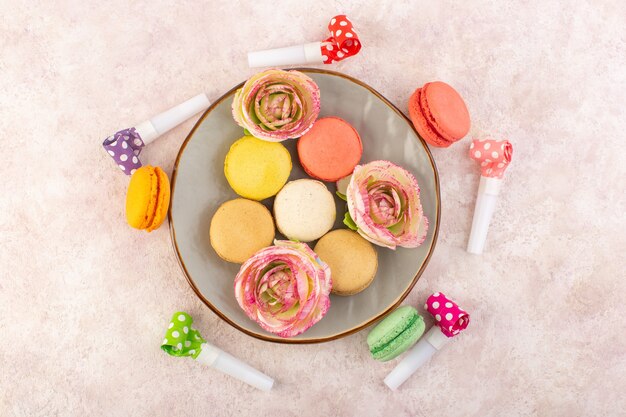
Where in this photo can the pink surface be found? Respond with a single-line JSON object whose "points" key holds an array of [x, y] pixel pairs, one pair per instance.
{"points": [[83, 297]]}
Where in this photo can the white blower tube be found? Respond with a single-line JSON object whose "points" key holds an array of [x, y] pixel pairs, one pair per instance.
{"points": [[430, 343], [310, 53], [156, 126], [488, 191], [228, 364]]}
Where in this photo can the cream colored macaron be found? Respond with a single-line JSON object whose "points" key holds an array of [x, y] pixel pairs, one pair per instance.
{"points": [[353, 261], [304, 210], [239, 228]]}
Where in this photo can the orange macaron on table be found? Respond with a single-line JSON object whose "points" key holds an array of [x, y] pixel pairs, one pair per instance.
{"points": [[330, 150], [147, 198]]}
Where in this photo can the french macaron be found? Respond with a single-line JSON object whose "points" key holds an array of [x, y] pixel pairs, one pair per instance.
{"points": [[240, 228], [304, 210], [257, 169], [147, 198], [330, 150], [352, 260], [395, 334], [439, 114]]}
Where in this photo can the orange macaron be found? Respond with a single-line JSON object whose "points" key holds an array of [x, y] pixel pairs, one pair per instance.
{"points": [[330, 149], [439, 114], [147, 198]]}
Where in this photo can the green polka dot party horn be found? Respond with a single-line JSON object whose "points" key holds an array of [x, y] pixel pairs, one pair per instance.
{"points": [[183, 340]]}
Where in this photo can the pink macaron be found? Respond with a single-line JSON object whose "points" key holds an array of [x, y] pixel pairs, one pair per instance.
{"points": [[330, 150], [439, 114]]}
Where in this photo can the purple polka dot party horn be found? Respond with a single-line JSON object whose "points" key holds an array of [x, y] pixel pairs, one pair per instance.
{"points": [[450, 320], [125, 146], [181, 339]]}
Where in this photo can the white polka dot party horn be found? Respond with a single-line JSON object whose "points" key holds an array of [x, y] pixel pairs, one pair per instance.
{"points": [[494, 156], [125, 146], [342, 43], [183, 340], [450, 321]]}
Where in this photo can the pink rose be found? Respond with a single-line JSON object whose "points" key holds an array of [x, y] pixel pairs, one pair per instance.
{"points": [[285, 288], [384, 205], [275, 105]]}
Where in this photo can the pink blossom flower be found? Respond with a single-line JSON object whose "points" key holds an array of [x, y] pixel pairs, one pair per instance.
{"points": [[384, 205], [275, 105], [285, 288]]}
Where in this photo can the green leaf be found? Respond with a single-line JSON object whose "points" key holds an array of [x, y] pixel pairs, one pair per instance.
{"points": [[247, 132], [396, 229], [347, 220], [342, 196]]}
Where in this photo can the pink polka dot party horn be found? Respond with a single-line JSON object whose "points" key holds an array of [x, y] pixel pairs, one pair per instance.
{"points": [[494, 156], [342, 43], [125, 146], [181, 339], [450, 320]]}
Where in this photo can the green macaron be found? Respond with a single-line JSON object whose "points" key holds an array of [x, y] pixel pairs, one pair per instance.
{"points": [[395, 334]]}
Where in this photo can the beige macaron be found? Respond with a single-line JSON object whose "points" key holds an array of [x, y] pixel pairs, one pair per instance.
{"points": [[304, 210], [353, 261], [239, 228]]}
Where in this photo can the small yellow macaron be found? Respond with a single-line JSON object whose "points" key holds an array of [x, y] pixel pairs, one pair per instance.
{"points": [[147, 198], [240, 228], [257, 169], [353, 261]]}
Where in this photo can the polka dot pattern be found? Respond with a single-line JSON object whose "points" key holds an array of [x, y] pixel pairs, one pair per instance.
{"points": [[123, 147], [493, 155], [343, 41], [180, 338], [448, 315]]}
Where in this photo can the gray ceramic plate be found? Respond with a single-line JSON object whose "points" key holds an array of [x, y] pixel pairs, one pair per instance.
{"points": [[199, 187]]}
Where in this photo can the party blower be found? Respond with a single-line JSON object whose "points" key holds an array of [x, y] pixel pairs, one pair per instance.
{"points": [[125, 146], [342, 43], [494, 156], [183, 340], [450, 321]]}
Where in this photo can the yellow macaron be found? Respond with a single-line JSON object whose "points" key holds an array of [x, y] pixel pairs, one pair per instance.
{"points": [[147, 198], [257, 169], [240, 228], [352, 260]]}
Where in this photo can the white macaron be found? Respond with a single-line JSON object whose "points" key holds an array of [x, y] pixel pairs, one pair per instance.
{"points": [[304, 210]]}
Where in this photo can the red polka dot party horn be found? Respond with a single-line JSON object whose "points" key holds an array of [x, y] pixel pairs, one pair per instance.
{"points": [[342, 43], [125, 145], [450, 320], [181, 339], [494, 156]]}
